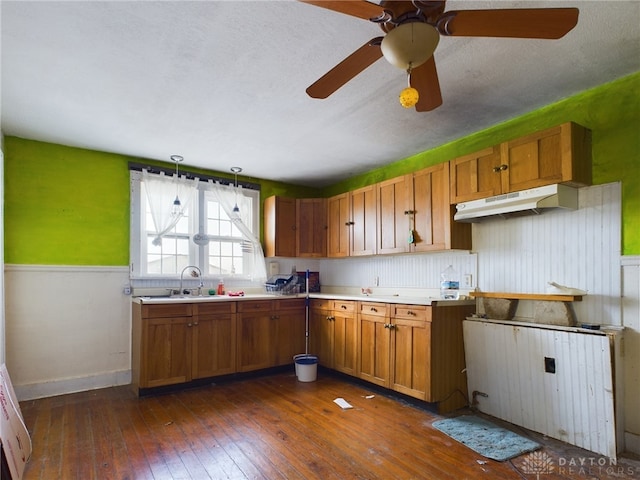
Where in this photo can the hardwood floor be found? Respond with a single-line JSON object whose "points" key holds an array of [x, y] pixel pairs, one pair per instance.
{"points": [[271, 427]]}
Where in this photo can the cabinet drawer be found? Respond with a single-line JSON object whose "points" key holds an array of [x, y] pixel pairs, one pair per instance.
{"points": [[376, 309], [347, 306], [254, 306], [214, 308], [169, 310], [288, 304], [411, 312], [321, 304]]}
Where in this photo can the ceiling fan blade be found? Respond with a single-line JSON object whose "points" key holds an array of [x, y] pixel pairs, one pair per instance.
{"points": [[425, 80], [549, 23], [346, 69], [360, 9]]}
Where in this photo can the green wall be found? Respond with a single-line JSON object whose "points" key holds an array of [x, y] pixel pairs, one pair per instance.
{"points": [[69, 206]]}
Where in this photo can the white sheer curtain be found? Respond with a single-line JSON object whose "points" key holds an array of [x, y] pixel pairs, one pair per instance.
{"points": [[161, 194], [229, 196]]}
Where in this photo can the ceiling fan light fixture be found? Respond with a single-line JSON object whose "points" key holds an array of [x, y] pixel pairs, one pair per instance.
{"points": [[410, 44]]}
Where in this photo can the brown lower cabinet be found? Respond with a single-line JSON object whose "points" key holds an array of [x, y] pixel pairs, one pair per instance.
{"points": [[416, 350], [333, 334], [270, 332], [180, 342], [177, 343]]}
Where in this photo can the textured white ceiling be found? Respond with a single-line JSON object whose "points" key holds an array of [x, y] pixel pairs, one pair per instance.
{"points": [[223, 82]]}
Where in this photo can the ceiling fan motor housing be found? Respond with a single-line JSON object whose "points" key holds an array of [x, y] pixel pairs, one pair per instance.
{"points": [[410, 45]]}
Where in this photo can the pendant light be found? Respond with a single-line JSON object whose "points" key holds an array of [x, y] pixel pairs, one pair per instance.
{"points": [[177, 205], [236, 171]]}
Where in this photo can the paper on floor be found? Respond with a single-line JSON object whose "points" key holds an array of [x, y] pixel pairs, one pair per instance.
{"points": [[342, 403]]}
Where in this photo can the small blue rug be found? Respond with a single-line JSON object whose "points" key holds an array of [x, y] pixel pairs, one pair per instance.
{"points": [[485, 438]]}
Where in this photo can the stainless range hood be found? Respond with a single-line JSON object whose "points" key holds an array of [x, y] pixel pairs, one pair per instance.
{"points": [[526, 202]]}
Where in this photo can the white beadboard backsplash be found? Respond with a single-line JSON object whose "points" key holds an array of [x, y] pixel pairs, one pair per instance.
{"points": [[401, 271], [579, 249]]}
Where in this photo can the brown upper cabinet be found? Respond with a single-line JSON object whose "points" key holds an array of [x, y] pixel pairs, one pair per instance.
{"points": [[414, 214], [311, 227], [280, 227], [352, 227], [295, 227], [561, 154]]}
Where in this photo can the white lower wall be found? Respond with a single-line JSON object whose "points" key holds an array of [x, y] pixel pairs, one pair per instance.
{"points": [[631, 323], [67, 329]]}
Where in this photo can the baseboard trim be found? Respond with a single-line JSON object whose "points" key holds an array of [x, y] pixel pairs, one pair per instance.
{"points": [[632, 443], [64, 386]]}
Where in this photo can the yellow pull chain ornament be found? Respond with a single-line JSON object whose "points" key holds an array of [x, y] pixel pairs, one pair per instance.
{"points": [[409, 96]]}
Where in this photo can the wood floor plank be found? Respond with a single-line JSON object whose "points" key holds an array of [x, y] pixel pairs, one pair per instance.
{"points": [[270, 427]]}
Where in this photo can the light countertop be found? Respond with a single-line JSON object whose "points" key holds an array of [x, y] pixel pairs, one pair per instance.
{"points": [[380, 298]]}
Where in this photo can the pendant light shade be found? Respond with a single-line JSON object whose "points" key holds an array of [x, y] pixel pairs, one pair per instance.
{"points": [[177, 205], [410, 44], [236, 171]]}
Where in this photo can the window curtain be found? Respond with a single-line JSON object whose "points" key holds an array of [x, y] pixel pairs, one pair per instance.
{"points": [[228, 197], [161, 193]]}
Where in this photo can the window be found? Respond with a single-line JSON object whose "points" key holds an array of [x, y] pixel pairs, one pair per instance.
{"points": [[204, 232]]}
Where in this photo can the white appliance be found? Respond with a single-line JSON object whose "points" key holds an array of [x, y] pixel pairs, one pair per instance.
{"points": [[526, 202]]}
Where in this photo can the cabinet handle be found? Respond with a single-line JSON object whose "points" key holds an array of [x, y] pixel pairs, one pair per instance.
{"points": [[409, 212], [500, 168], [374, 309], [195, 324], [392, 326], [344, 307], [409, 312], [387, 325], [189, 325], [348, 224]]}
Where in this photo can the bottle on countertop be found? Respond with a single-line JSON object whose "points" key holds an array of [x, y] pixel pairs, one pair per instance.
{"points": [[220, 287], [450, 284]]}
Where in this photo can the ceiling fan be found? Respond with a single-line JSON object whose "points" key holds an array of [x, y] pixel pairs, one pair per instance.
{"points": [[412, 30]]}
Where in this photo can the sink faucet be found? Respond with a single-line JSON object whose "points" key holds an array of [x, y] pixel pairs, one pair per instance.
{"points": [[193, 274]]}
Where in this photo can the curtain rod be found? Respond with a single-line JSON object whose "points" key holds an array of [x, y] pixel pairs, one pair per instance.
{"points": [[169, 171]]}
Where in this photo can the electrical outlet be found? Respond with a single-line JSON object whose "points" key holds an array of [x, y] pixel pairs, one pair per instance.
{"points": [[468, 280], [376, 281], [126, 290]]}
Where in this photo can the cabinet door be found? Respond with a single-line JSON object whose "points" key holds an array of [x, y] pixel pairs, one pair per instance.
{"points": [[166, 351], [474, 176], [338, 226], [214, 345], [255, 333], [411, 351], [434, 228], [556, 155], [321, 327], [363, 221], [345, 353], [280, 227], [311, 227], [395, 207], [289, 316], [374, 347]]}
